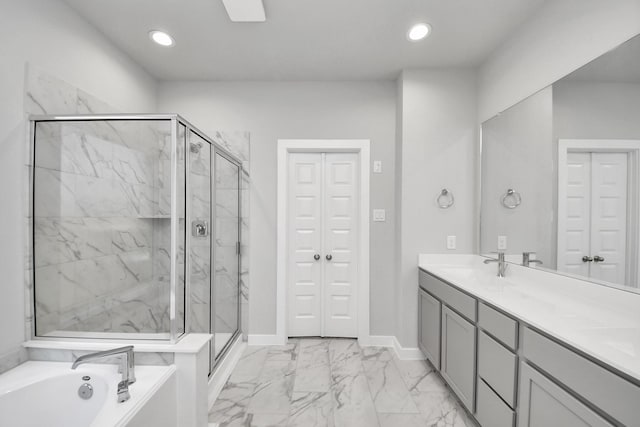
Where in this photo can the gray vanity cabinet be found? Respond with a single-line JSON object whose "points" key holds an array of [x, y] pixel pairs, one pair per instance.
{"points": [[429, 327], [458, 355], [506, 372], [543, 404]]}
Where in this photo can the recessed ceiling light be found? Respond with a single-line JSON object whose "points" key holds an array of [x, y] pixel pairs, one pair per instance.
{"points": [[418, 32], [162, 38]]}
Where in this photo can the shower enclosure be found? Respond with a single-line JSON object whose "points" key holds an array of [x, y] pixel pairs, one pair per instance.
{"points": [[135, 230]]}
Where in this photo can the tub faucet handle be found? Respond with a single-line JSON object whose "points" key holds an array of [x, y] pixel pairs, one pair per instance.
{"points": [[123, 391]]}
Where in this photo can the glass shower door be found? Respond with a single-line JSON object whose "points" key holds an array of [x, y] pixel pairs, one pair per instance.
{"points": [[199, 189], [225, 298]]}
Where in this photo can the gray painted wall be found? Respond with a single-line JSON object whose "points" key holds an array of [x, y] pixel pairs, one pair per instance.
{"points": [[438, 149], [272, 111], [51, 36], [518, 152]]}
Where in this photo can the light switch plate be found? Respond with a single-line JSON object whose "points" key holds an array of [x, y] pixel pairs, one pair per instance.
{"points": [[502, 243], [377, 166], [379, 215], [451, 242]]}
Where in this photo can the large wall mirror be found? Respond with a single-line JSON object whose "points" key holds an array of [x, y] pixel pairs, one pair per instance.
{"points": [[560, 174]]}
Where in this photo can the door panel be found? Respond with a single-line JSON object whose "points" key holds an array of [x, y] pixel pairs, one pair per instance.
{"points": [[226, 295], [458, 355], [609, 216], [322, 215], [305, 241], [578, 215], [340, 225], [595, 216], [429, 327], [543, 404]]}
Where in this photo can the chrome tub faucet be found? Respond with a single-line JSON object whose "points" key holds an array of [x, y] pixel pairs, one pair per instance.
{"points": [[127, 367], [502, 265]]}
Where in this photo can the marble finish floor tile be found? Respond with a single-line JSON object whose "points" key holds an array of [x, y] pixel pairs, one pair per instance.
{"points": [[331, 383], [388, 389]]}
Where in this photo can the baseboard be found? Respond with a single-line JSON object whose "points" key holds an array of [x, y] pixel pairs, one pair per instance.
{"points": [[255, 339], [223, 371], [403, 353], [407, 353]]}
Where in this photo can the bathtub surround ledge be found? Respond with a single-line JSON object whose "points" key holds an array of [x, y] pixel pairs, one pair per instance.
{"points": [[12, 359], [189, 355]]}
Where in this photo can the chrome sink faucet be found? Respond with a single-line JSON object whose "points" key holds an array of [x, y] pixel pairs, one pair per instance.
{"points": [[526, 259], [127, 367], [502, 265]]}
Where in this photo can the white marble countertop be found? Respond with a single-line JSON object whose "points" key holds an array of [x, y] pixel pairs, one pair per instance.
{"points": [[600, 321]]}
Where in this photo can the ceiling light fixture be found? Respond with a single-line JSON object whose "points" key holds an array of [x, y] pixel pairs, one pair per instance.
{"points": [[245, 10], [419, 32], [162, 38]]}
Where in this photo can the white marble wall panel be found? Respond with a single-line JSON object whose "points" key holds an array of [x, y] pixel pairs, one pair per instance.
{"points": [[98, 194], [55, 355]]}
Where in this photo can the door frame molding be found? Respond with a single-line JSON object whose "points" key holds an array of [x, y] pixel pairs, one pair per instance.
{"points": [[362, 148], [632, 148]]}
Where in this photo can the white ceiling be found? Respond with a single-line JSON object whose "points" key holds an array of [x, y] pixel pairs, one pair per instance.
{"points": [[305, 39]]}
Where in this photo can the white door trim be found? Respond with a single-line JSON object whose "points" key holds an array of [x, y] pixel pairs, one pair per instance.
{"points": [[362, 148], [630, 146]]}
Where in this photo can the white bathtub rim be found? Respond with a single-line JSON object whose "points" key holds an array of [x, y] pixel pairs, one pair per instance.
{"points": [[32, 372]]}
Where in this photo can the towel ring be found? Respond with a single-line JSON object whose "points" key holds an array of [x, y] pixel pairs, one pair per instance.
{"points": [[445, 199], [512, 195]]}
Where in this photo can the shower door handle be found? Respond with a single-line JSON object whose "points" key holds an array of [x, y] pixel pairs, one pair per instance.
{"points": [[199, 228]]}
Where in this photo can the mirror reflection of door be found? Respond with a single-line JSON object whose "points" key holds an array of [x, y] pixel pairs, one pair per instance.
{"points": [[592, 238]]}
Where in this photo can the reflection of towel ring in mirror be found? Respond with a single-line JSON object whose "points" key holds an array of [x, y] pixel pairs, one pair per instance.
{"points": [[513, 195], [445, 199]]}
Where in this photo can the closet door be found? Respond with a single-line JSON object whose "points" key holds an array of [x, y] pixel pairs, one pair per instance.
{"points": [[577, 215], [304, 302], [595, 216], [340, 244], [609, 216]]}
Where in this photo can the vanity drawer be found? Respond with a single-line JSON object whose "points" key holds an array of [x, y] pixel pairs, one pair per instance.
{"points": [[497, 366], [459, 301], [490, 410], [501, 326], [605, 390]]}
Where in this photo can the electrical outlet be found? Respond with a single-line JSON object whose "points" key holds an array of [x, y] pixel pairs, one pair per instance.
{"points": [[379, 215], [377, 166], [502, 243], [451, 242]]}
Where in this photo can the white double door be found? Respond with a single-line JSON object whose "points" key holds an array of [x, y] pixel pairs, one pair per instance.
{"points": [[594, 240], [322, 244]]}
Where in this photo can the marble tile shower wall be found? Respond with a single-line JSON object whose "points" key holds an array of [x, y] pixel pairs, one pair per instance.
{"points": [[98, 197], [102, 199], [45, 94]]}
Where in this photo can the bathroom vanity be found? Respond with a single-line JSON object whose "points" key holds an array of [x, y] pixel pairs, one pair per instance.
{"points": [[532, 348]]}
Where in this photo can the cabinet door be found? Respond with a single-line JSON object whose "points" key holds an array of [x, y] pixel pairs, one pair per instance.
{"points": [[458, 355], [543, 404], [429, 328]]}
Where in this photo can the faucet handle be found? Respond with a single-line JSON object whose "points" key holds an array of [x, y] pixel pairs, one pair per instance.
{"points": [[123, 391]]}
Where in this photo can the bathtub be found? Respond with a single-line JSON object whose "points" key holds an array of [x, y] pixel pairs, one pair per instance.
{"points": [[37, 394]]}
